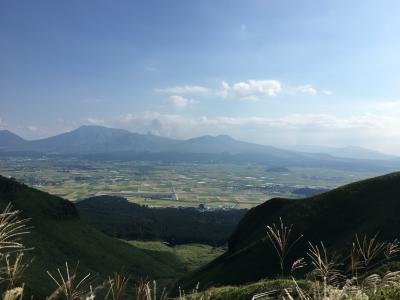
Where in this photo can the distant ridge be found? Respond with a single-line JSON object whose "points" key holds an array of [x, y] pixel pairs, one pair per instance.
{"points": [[344, 152], [100, 139], [103, 143]]}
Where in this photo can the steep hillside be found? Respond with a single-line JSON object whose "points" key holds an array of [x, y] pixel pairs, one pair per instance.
{"points": [[365, 207], [58, 236]]}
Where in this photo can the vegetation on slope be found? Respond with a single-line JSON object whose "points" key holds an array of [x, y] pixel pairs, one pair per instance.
{"points": [[117, 217], [58, 236], [191, 256], [366, 207]]}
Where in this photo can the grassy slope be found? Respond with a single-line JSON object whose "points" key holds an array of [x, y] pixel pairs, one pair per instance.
{"points": [[191, 256], [59, 236], [334, 217]]}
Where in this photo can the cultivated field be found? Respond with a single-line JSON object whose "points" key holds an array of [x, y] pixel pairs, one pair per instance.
{"points": [[184, 184]]}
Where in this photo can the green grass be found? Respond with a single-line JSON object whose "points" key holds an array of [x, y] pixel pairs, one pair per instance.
{"points": [[190, 256]]}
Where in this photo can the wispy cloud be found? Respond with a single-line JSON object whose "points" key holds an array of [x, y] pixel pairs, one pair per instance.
{"points": [[36, 131], [387, 107], [95, 121], [32, 128], [369, 130], [247, 90], [250, 89], [179, 102], [327, 92], [306, 89], [184, 89]]}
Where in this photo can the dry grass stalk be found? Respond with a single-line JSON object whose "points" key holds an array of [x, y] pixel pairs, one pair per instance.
{"points": [[280, 237], [148, 291], [118, 286], [14, 294], [324, 266], [12, 269], [69, 286], [369, 249], [195, 294], [12, 265], [297, 265], [12, 228]]}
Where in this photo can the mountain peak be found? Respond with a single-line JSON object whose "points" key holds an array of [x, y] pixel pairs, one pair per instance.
{"points": [[8, 138]]}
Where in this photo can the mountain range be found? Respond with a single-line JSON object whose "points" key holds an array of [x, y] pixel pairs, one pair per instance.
{"points": [[99, 139], [343, 152], [97, 142]]}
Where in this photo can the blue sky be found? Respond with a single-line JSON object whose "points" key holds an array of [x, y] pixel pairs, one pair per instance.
{"points": [[273, 72]]}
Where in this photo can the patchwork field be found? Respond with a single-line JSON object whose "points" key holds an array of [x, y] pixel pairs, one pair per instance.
{"points": [[185, 184]]}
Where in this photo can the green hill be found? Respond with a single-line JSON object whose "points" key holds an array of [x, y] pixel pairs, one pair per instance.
{"points": [[118, 217], [365, 207], [58, 235]]}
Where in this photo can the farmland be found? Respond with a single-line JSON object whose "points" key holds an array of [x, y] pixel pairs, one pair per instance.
{"points": [[159, 184]]}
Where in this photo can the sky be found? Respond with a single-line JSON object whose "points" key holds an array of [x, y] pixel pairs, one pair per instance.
{"points": [[276, 72]]}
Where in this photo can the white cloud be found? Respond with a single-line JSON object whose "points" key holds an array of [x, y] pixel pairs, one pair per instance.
{"points": [[2, 124], [388, 107], [306, 89], [185, 89], [250, 90], [247, 90], [179, 102]]}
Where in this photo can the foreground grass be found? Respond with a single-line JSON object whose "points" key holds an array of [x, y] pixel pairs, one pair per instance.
{"points": [[246, 291]]}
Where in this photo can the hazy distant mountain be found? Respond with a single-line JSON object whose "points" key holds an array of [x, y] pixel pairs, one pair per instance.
{"points": [[97, 142], [226, 144], [97, 139], [9, 139], [345, 152]]}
